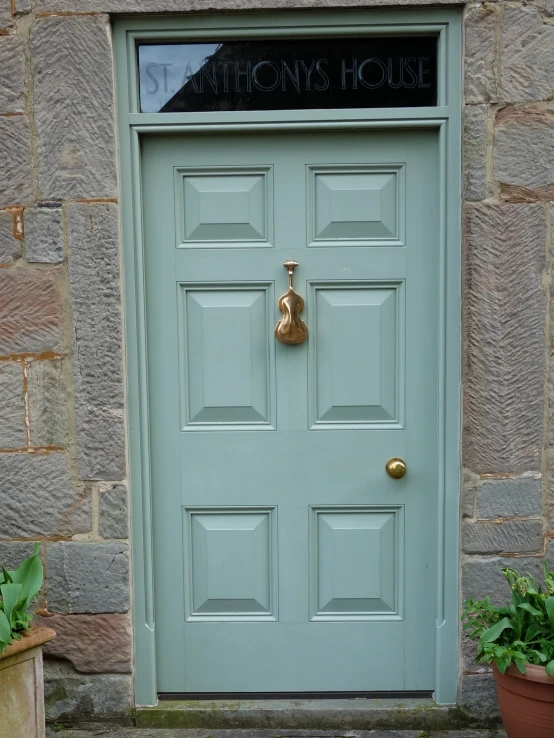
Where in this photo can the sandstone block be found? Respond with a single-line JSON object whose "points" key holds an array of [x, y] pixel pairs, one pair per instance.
{"points": [[6, 19], [30, 312], [509, 536], [526, 55], [113, 521], [93, 643], [480, 44], [97, 339], [483, 576], [12, 406], [503, 326], [12, 64], [16, 184], [475, 152], [10, 247], [47, 403], [524, 152], [88, 578], [37, 498], [93, 697], [510, 497], [74, 109], [12, 553], [43, 235], [477, 696]]}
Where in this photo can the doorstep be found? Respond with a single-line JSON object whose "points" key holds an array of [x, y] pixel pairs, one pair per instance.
{"points": [[330, 714], [152, 733]]}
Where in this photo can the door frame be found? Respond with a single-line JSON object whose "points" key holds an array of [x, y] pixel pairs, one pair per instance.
{"points": [[445, 118]]}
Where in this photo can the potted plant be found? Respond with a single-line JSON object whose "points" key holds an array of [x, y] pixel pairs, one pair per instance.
{"points": [[21, 680], [518, 640]]}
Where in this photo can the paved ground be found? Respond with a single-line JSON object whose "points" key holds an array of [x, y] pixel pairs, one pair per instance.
{"points": [[134, 733]]}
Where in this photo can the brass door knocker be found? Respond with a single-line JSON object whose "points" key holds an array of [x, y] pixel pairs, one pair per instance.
{"points": [[291, 328]]}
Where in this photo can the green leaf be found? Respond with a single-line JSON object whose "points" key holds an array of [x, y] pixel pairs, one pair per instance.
{"points": [[549, 605], [10, 595], [530, 609], [495, 631], [550, 668], [30, 575], [5, 632]]}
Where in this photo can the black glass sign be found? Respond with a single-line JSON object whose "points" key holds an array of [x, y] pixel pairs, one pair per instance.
{"points": [[310, 73]]}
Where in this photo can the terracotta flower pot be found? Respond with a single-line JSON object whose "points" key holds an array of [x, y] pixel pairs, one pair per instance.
{"points": [[526, 702]]}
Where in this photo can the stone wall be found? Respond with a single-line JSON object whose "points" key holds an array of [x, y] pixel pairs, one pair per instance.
{"points": [[62, 439]]}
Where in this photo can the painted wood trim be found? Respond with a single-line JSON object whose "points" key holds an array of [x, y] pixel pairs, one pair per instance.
{"points": [[446, 117]]}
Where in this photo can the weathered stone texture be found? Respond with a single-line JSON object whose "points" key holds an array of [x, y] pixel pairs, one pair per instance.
{"points": [[527, 55], [477, 696], [10, 247], [12, 553], [74, 111], [69, 694], [30, 311], [97, 336], [12, 64], [480, 44], [475, 150], [113, 521], [524, 150], [93, 643], [504, 345], [47, 403], [37, 498], [16, 183], [43, 235], [483, 576], [510, 536], [88, 578], [509, 498], [184, 6], [6, 19], [12, 406]]}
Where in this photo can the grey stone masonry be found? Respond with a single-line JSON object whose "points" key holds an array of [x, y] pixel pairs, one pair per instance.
{"points": [[480, 44], [508, 536], [10, 246], [43, 235], [475, 152], [47, 403], [509, 497], [73, 105], [97, 334], [13, 433], [13, 553], [12, 64], [37, 497], [16, 183], [88, 577], [112, 522]]}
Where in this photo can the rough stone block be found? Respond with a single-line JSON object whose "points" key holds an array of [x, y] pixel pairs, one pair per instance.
{"points": [[6, 19], [206, 6], [468, 652], [43, 235], [113, 521], [37, 498], [10, 247], [504, 344], [12, 553], [97, 337], [508, 498], [480, 45], [13, 433], [477, 696], [510, 536], [30, 312], [526, 54], [483, 576], [88, 578], [475, 152], [12, 64], [16, 184], [524, 152], [74, 111], [93, 643], [95, 697], [47, 403]]}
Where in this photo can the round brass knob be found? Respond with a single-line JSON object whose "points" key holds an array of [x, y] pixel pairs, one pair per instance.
{"points": [[396, 468]]}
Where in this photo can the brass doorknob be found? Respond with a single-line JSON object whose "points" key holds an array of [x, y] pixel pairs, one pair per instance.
{"points": [[396, 468]]}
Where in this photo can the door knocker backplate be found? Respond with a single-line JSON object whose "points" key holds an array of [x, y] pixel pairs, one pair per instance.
{"points": [[291, 328]]}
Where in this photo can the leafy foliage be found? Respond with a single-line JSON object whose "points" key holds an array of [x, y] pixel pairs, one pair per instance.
{"points": [[520, 633], [17, 590]]}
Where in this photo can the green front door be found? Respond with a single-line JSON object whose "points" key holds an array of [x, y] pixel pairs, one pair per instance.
{"points": [[286, 558]]}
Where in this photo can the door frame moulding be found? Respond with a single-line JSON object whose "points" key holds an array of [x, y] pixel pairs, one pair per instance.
{"points": [[445, 118]]}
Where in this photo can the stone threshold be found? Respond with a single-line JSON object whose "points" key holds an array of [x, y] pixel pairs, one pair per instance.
{"points": [[323, 714], [156, 733]]}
